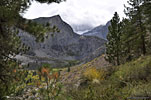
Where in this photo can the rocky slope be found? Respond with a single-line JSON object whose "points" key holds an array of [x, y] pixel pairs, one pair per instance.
{"points": [[100, 31], [63, 46], [74, 77]]}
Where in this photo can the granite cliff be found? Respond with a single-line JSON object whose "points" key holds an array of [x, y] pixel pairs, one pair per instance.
{"points": [[63, 46]]}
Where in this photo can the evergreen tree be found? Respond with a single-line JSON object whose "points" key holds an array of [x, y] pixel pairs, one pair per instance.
{"points": [[131, 37], [113, 45], [10, 44], [127, 46], [136, 16], [147, 14]]}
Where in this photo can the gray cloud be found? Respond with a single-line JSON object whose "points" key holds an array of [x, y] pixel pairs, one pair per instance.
{"points": [[89, 13]]}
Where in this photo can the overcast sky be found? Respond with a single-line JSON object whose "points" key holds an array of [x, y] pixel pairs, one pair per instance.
{"points": [[79, 12]]}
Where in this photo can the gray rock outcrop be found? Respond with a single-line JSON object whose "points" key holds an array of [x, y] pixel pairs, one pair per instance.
{"points": [[63, 46], [100, 31]]}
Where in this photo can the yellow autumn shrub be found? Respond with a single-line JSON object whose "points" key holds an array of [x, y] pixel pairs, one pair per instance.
{"points": [[92, 74]]}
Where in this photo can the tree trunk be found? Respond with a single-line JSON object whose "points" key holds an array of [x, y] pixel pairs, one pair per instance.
{"points": [[143, 45], [142, 32], [117, 54]]}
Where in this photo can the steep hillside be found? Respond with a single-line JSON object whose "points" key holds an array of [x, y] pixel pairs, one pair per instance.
{"points": [[74, 77], [64, 45], [100, 31], [124, 82]]}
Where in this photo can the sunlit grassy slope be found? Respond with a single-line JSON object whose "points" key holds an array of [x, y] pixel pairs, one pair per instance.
{"points": [[76, 72], [132, 79]]}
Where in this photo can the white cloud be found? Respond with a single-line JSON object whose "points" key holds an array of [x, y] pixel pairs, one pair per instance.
{"points": [[79, 12]]}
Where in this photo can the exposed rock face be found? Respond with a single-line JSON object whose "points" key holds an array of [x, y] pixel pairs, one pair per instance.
{"points": [[64, 45], [100, 31]]}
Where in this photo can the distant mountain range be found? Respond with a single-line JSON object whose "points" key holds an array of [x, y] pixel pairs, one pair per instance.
{"points": [[65, 46], [80, 29], [100, 31]]}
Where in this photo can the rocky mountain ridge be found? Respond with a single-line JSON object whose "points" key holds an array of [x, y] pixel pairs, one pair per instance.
{"points": [[63, 46], [100, 31]]}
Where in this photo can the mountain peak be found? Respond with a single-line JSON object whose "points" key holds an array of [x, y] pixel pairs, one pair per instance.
{"points": [[58, 17], [99, 31], [64, 45]]}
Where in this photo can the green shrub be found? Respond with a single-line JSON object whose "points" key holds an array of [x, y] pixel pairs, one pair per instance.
{"points": [[137, 70], [132, 79], [94, 74]]}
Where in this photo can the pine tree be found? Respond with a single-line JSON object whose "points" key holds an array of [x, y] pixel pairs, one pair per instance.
{"points": [[127, 46], [10, 44], [113, 45], [135, 14], [134, 33], [147, 17]]}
